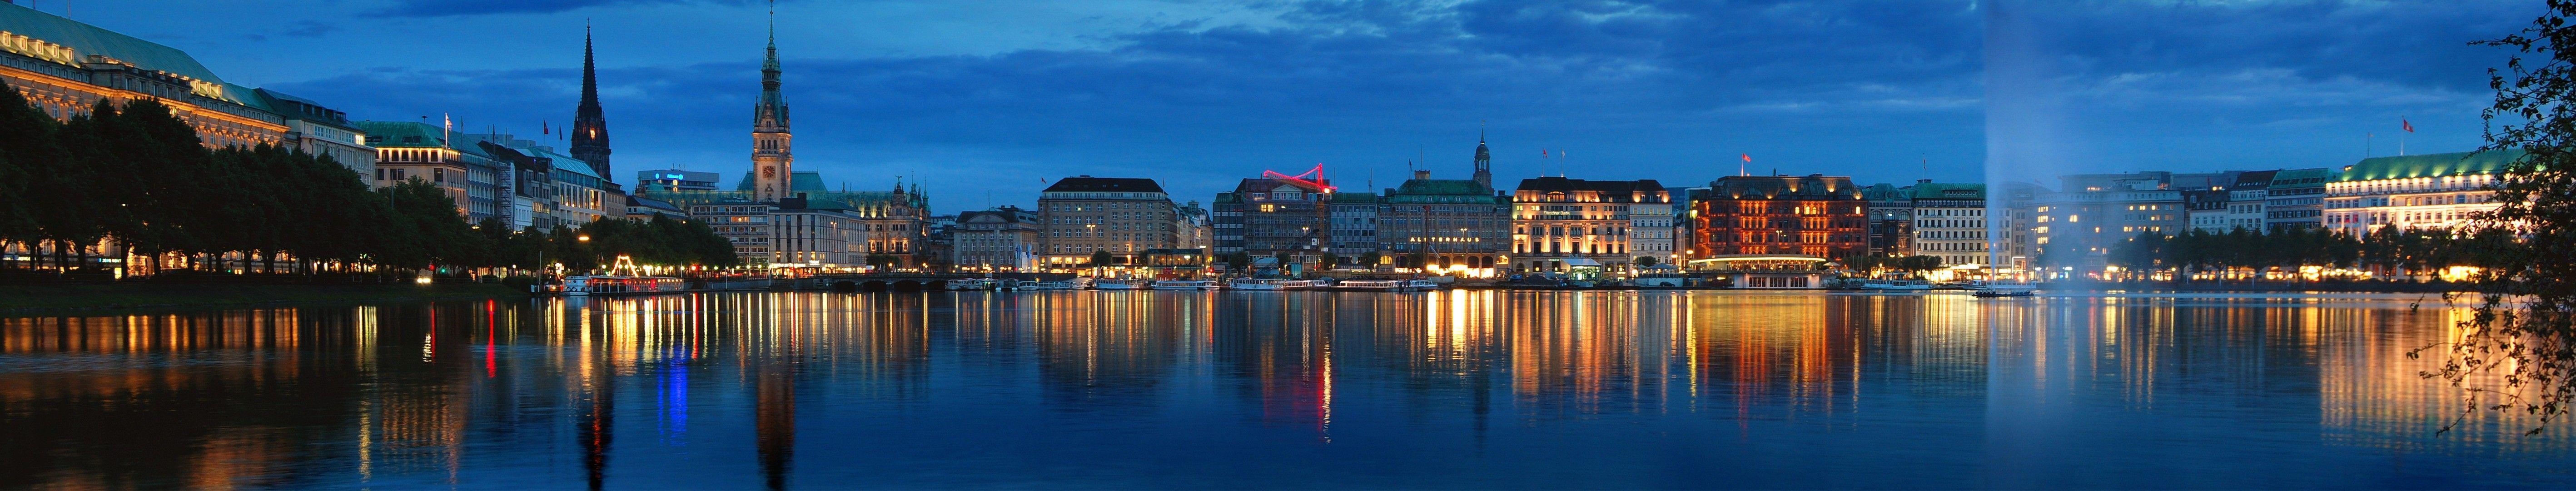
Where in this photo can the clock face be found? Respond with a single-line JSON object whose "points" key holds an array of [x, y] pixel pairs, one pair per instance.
{"points": [[769, 172]]}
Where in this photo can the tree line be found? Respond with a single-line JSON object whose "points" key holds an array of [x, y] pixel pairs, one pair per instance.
{"points": [[2387, 251], [137, 176]]}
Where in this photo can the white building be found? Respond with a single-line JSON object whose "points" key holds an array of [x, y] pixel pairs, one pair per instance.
{"points": [[1000, 239], [1950, 222], [2442, 191]]}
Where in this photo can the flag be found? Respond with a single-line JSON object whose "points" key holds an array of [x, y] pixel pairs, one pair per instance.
{"points": [[2409, 126], [543, 130], [1748, 157]]}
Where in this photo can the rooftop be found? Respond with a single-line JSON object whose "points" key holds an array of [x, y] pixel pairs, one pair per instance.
{"points": [[2430, 165], [85, 40], [1105, 185]]}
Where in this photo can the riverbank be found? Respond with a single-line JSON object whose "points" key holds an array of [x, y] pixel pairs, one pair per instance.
{"points": [[54, 299]]}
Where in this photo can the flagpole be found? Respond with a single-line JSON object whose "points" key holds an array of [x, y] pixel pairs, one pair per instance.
{"points": [[2409, 126]]}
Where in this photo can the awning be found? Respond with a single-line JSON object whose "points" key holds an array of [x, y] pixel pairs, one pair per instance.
{"points": [[1576, 261]]}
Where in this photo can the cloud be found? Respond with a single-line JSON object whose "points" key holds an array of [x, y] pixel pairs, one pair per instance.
{"points": [[1639, 89]]}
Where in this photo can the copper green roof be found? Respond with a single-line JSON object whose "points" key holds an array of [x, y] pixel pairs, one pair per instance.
{"points": [[797, 181], [1948, 190], [1443, 186], [1350, 198], [85, 40], [405, 134], [2430, 165]]}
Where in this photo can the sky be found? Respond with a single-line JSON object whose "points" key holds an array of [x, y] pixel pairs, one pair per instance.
{"points": [[984, 102]]}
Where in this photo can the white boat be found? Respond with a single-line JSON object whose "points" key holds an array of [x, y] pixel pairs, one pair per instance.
{"points": [[1896, 285], [622, 285], [1116, 284], [1999, 289], [1047, 285], [1254, 284], [1305, 284], [1421, 285], [1185, 285], [1379, 285]]}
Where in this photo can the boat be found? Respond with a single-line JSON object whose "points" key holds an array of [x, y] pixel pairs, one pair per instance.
{"points": [[1047, 285], [1421, 285], [1381, 285], [970, 284], [1256, 284], [1185, 285], [2000, 289], [1115, 284], [1305, 284], [622, 285], [1896, 285]]}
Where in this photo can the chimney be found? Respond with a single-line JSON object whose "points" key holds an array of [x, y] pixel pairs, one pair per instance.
{"points": [[1421, 174]]}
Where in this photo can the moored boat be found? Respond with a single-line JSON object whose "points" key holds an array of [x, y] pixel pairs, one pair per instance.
{"points": [[1117, 284], [1255, 284], [1896, 285], [2005, 290], [622, 285]]}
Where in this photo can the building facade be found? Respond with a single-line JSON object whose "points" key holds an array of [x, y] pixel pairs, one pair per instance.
{"points": [[1557, 222], [1354, 222], [2295, 199], [1950, 222], [1275, 215], [2077, 225], [1452, 226], [674, 180], [2443, 191], [465, 171], [1891, 219], [1120, 215], [1000, 239], [1814, 215]]}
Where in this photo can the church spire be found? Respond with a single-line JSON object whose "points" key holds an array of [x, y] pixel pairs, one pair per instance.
{"points": [[589, 124], [1484, 159]]}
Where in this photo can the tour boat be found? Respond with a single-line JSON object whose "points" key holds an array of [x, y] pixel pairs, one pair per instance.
{"points": [[1379, 285], [1896, 285], [1422, 285], [1305, 284], [622, 285], [1115, 284], [1184, 285], [2001, 289], [974, 284], [1254, 284]]}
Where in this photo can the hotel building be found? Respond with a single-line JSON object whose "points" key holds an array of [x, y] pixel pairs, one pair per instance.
{"points": [[1815, 216], [1125, 216], [2442, 191], [1559, 223]]}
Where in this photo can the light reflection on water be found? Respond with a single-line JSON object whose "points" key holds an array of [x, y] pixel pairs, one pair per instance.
{"points": [[1460, 389]]}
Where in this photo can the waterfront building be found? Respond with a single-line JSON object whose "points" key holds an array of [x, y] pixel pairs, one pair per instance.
{"points": [[1950, 222], [465, 171], [744, 224], [2442, 191], [1560, 223], [1891, 219], [673, 180], [1812, 216], [818, 236], [1001, 239], [2237, 205], [2077, 225], [1191, 227], [2295, 199], [1122, 215], [892, 223], [2020, 217], [643, 208], [65, 67], [1274, 215], [1452, 226], [1355, 222]]}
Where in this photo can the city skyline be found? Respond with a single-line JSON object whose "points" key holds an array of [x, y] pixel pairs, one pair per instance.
{"points": [[1198, 95]]}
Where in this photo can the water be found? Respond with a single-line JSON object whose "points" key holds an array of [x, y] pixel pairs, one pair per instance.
{"points": [[1261, 390]]}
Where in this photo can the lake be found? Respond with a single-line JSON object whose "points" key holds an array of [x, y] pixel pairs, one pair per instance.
{"points": [[1145, 389]]}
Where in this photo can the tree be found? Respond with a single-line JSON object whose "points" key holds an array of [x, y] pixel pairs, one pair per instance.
{"points": [[2524, 327], [1643, 261], [1101, 258], [1372, 259]]}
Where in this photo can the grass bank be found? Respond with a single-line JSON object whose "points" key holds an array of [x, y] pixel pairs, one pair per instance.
{"points": [[49, 299]]}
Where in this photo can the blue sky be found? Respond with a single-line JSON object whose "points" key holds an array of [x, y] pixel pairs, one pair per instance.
{"points": [[981, 100]]}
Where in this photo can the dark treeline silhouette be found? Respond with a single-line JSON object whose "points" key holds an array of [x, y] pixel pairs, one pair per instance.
{"points": [[2234, 254], [139, 177]]}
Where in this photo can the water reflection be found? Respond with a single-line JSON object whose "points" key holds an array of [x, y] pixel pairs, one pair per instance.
{"points": [[1286, 389]]}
